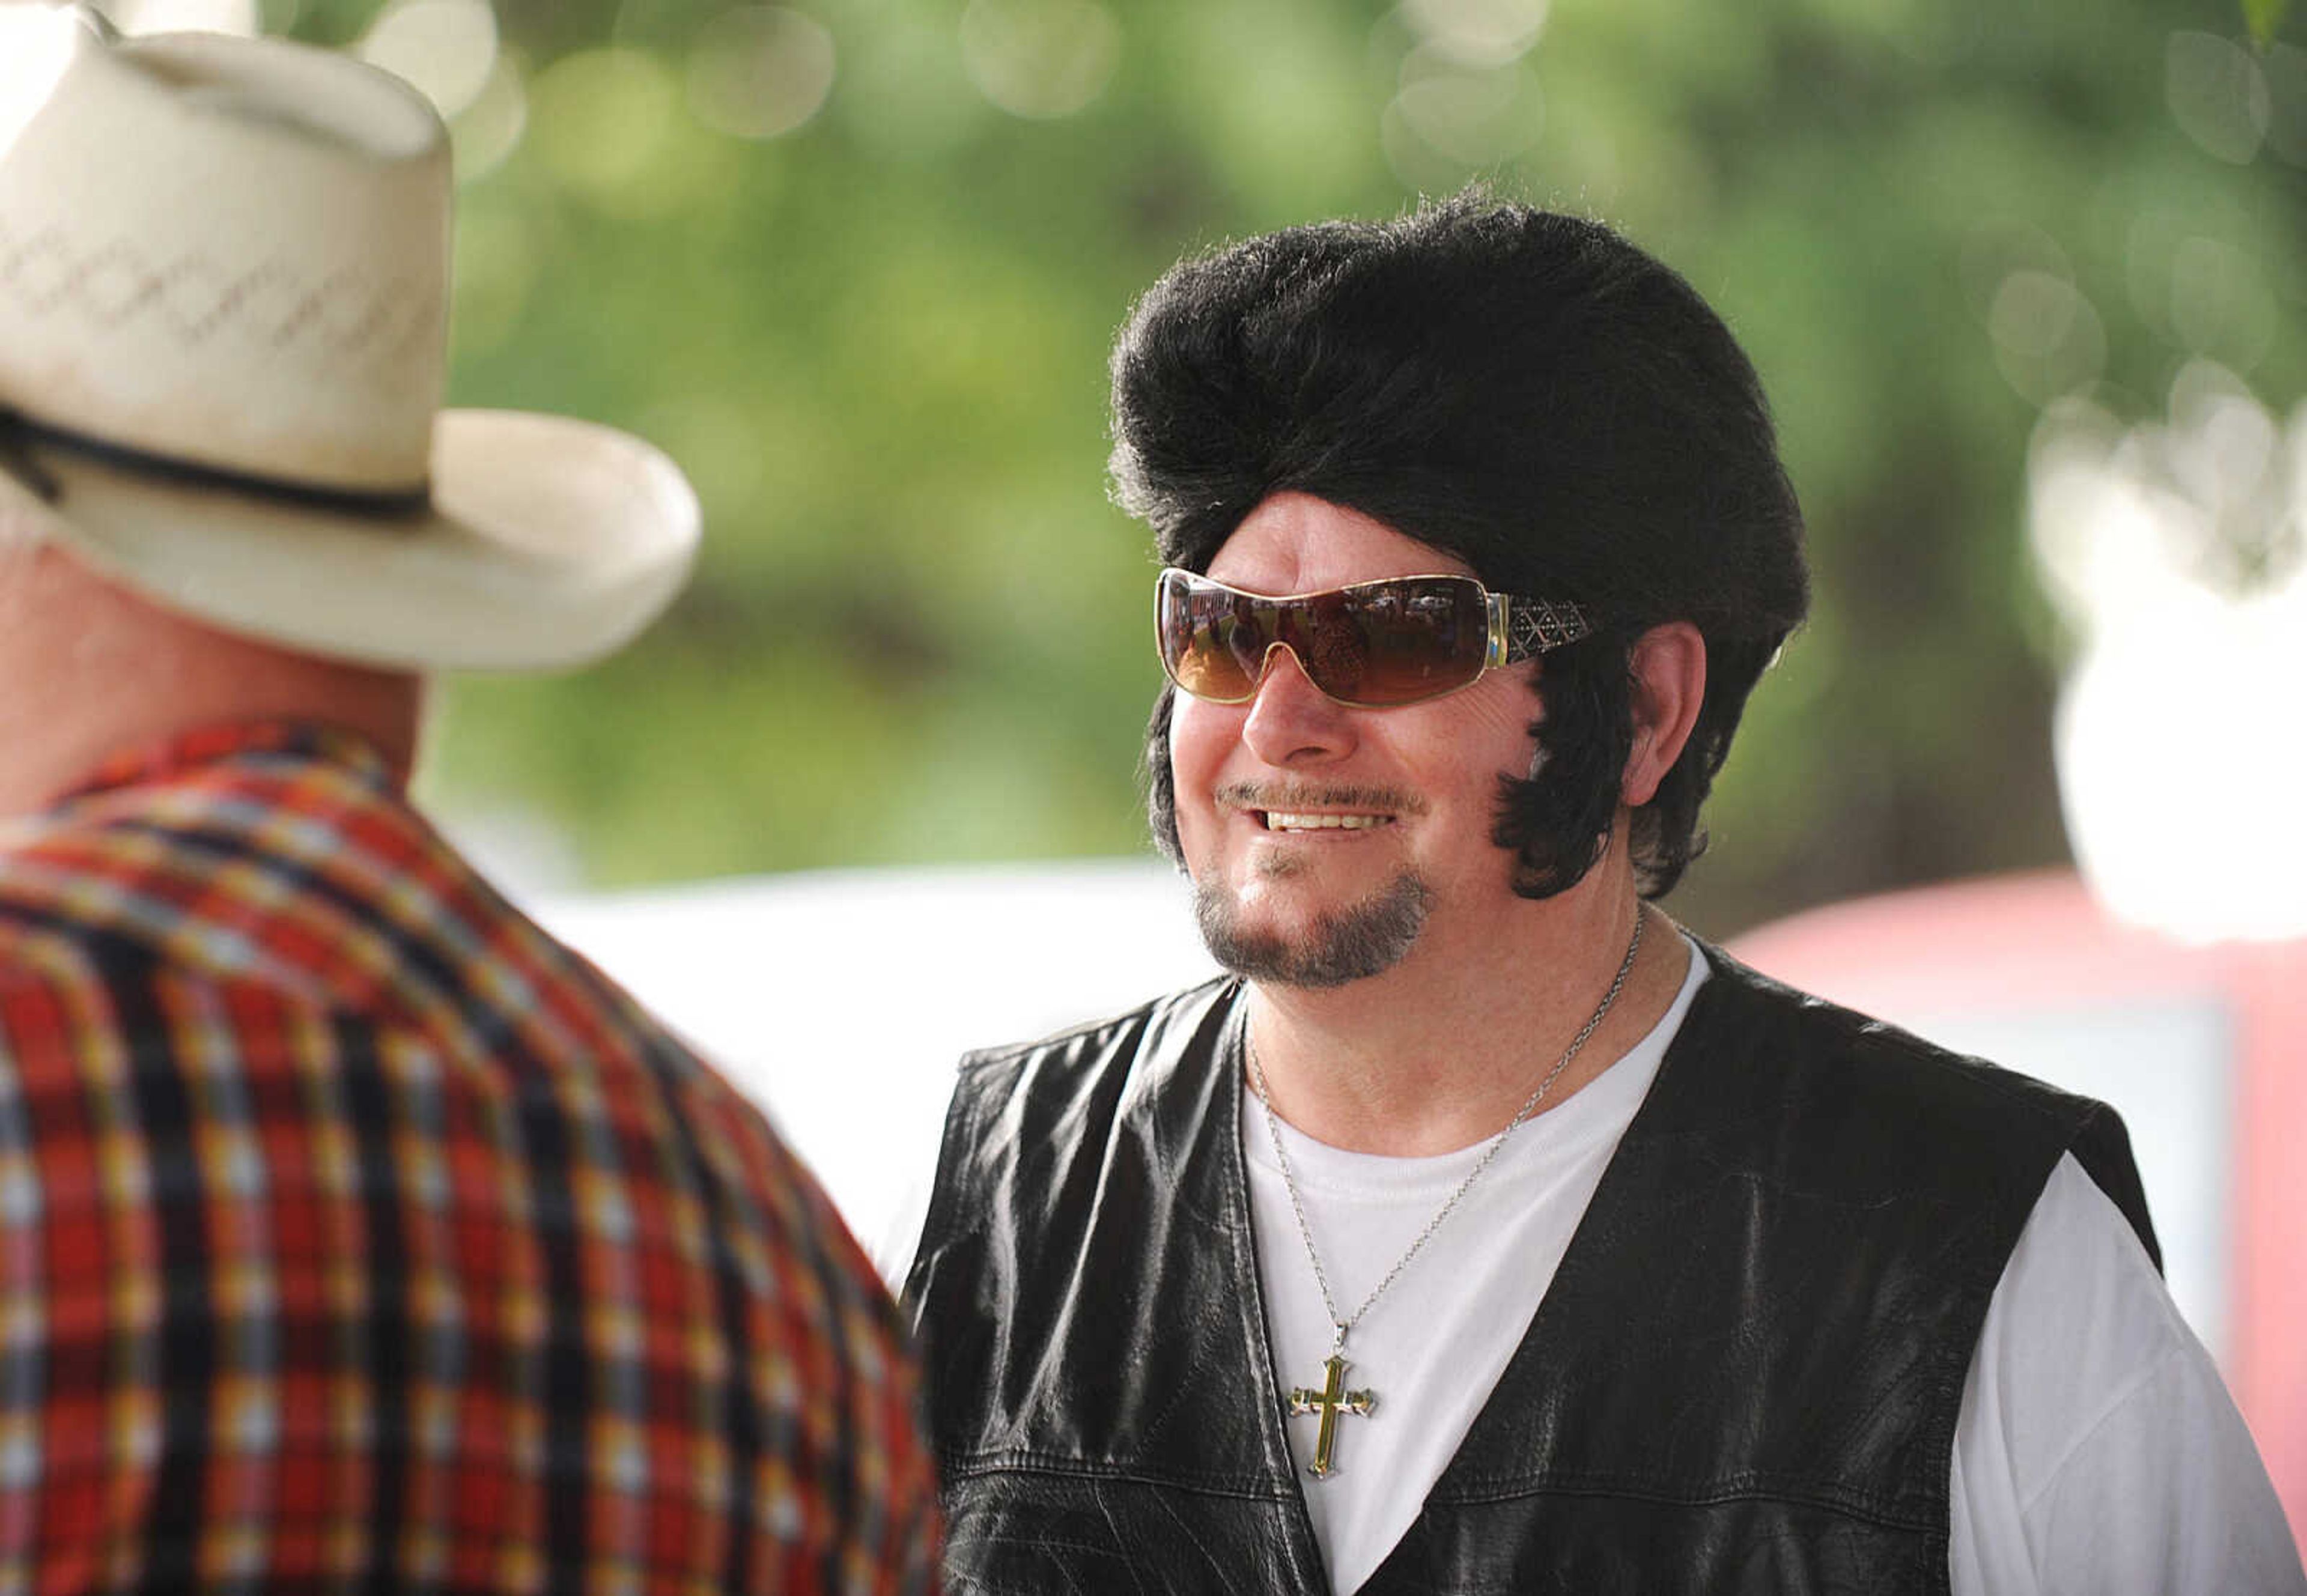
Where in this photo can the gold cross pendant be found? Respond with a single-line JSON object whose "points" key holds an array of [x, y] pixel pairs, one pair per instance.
{"points": [[1329, 1401]]}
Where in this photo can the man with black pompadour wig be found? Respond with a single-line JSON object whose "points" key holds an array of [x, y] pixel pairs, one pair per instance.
{"points": [[1483, 1229]]}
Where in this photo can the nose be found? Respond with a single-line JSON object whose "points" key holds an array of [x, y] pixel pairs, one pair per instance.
{"points": [[1291, 722]]}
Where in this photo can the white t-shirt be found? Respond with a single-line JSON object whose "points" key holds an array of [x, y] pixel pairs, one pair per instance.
{"points": [[2097, 1453]]}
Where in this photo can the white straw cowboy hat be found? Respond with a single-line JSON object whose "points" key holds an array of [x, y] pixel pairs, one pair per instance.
{"points": [[223, 334]]}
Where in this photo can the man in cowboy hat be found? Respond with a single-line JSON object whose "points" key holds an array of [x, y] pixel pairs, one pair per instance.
{"points": [[352, 1230], [1484, 1230]]}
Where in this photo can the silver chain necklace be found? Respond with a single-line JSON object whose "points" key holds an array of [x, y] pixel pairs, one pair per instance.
{"points": [[1332, 1399]]}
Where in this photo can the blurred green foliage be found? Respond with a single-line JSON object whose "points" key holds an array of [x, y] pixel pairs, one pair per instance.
{"points": [[877, 341]]}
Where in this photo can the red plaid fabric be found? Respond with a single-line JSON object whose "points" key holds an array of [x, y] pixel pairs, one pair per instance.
{"points": [[355, 1236]]}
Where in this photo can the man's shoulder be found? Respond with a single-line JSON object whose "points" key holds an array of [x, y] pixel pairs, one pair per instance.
{"points": [[269, 872], [85, 898], [278, 884], [1788, 1031], [1892, 1108], [125, 920]]}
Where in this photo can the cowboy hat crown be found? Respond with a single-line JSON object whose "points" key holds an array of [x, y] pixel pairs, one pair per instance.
{"points": [[224, 299]]}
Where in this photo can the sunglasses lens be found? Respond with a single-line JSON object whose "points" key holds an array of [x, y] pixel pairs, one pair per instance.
{"points": [[1213, 638], [1372, 645], [1416, 637]]}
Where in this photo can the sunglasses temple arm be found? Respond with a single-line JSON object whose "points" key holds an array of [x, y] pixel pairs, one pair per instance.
{"points": [[1538, 625]]}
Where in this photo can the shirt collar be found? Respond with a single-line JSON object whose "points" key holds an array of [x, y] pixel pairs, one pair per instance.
{"points": [[175, 756]]}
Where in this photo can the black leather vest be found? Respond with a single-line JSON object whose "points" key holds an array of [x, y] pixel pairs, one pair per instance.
{"points": [[1744, 1378]]}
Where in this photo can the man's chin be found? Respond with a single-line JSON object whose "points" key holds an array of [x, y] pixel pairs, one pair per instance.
{"points": [[1346, 944]]}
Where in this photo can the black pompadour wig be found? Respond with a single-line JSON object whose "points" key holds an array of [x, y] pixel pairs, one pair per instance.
{"points": [[1525, 390]]}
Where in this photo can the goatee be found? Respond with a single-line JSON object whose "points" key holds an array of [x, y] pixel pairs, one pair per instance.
{"points": [[1362, 940]]}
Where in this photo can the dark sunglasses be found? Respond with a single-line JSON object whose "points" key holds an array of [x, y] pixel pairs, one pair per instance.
{"points": [[1371, 645]]}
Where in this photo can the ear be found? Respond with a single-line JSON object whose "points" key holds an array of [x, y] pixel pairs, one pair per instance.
{"points": [[1669, 667]]}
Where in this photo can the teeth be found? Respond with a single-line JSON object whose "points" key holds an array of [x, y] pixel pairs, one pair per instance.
{"points": [[1276, 820]]}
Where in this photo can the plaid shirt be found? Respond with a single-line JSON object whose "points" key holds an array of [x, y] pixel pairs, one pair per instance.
{"points": [[356, 1235]]}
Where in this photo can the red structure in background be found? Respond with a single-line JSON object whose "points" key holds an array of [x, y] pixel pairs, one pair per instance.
{"points": [[2032, 946]]}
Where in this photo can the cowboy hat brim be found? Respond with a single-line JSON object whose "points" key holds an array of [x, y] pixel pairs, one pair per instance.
{"points": [[547, 542]]}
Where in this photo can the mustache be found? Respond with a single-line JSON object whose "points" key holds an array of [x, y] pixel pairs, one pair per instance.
{"points": [[1307, 795]]}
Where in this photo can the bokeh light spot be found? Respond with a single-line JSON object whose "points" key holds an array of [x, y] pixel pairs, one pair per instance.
{"points": [[490, 128], [1997, 247], [446, 47], [2137, 532], [1040, 58], [2033, 312], [2286, 66], [2216, 93], [2048, 338], [2222, 443], [600, 119], [1478, 32], [760, 71], [1469, 117]]}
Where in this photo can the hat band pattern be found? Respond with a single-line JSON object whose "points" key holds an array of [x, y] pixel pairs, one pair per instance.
{"points": [[18, 432], [112, 284]]}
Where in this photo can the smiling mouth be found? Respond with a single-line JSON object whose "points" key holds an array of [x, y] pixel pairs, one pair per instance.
{"points": [[1302, 809], [1276, 820]]}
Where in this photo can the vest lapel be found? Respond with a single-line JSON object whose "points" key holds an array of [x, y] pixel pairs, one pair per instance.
{"points": [[1303, 1551]]}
